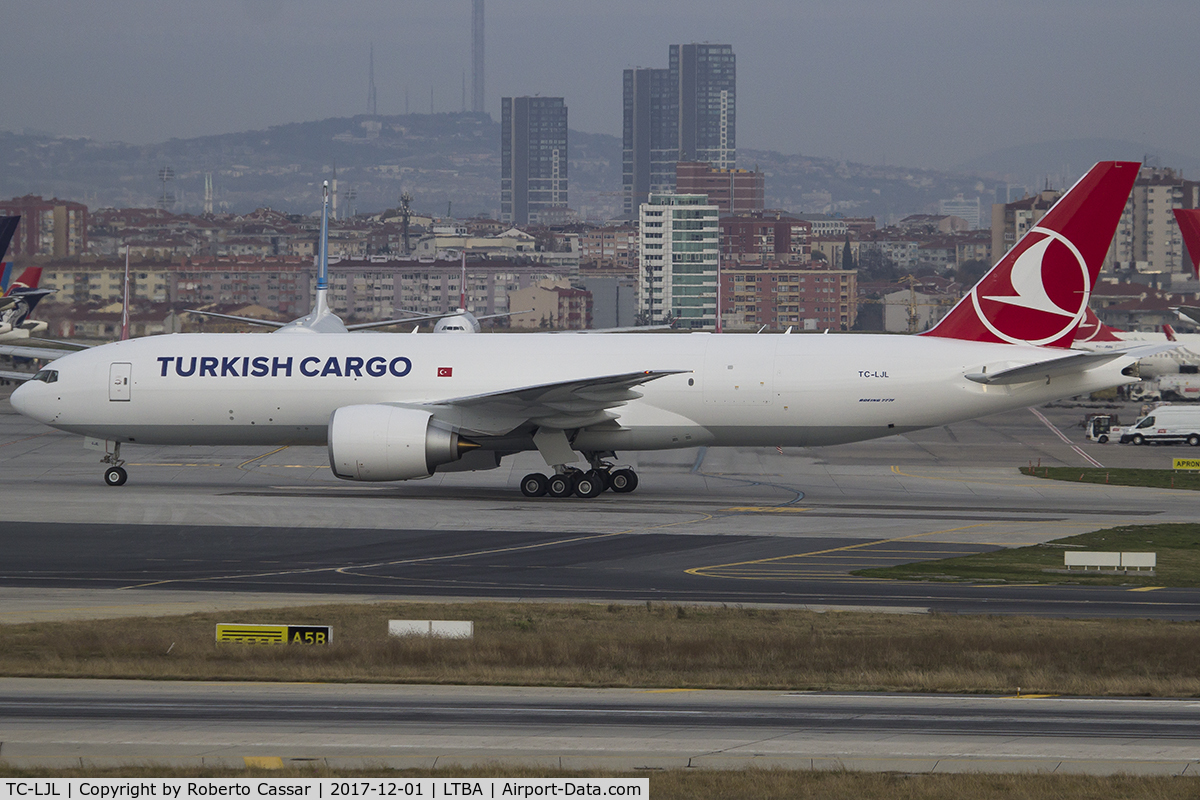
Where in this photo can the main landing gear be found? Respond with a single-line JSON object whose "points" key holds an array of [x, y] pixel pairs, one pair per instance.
{"points": [[115, 474], [567, 481]]}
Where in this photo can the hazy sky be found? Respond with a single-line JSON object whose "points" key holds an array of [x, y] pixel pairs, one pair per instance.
{"points": [[924, 83]]}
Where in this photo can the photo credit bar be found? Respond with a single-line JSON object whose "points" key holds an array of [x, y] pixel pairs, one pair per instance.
{"points": [[318, 788]]}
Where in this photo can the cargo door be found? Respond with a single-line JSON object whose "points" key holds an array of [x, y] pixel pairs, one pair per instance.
{"points": [[119, 380]]}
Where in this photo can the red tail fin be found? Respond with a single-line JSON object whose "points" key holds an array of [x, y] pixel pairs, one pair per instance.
{"points": [[1093, 330], [1169, 332], [1189, 226], [1038, 293], [29, 279]]}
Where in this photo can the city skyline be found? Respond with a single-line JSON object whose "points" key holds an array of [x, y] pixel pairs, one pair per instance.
{"points": [[932, 84]]}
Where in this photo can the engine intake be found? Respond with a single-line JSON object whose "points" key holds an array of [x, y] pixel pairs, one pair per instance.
{"points": [[386, 443]]}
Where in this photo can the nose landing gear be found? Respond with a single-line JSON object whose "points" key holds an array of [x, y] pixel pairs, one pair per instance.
{"points": [[115, 474]]}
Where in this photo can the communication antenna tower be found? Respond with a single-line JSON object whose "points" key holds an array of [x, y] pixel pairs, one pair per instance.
{"points": [[350, 194], [371, 107], [405, 216], [167, 201], [477, 56]]}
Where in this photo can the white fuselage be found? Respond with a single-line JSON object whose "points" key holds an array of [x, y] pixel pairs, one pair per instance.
{"points": [[735, 390]]}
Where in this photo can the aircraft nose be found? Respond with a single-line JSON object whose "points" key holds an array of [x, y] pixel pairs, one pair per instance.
{"points": [[24, 399]]}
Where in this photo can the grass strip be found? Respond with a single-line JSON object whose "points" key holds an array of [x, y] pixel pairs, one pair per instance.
{"points": [[1153, 478], [651, 646], [701, 784], [1177, 546]]}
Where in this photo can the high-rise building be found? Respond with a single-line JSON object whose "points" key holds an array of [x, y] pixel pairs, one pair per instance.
{"points": [[706, 76], [533, 157], [678, 255], [1148, 237], [650, 136], [686, 112], [48, 227]]}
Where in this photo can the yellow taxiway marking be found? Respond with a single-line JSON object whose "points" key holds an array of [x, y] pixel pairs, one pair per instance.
{"points": [[259, 458], [1147, 588], [1027, 696], [167, 464], [765, 509], [704, 571], [667, 691], [263, 762]]}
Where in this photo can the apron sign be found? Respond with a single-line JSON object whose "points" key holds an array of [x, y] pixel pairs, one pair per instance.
{"points": [[275, 634]]}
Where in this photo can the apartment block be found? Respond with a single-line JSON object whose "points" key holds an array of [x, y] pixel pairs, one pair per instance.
{"points": [[678, 260], [733, 191], [779, 297], [48, 227]]}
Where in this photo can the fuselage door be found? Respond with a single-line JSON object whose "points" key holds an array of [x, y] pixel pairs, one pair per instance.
{"points": [[119, 380]]}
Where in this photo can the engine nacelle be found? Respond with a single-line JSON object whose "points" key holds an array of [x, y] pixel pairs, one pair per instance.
{"points": [[386, 443]]}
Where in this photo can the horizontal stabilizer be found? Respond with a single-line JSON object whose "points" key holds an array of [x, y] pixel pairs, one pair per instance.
{"points": [[1067, 365], [1190, 313]]}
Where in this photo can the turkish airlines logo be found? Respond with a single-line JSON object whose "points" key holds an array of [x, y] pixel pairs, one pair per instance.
{"points": [[1089, 328], [445, 372], [1045, 296]]}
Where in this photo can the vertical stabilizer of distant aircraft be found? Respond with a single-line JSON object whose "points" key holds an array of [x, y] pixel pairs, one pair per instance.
{"points": [[1093, 330], [1189, 226], [1038, 293]]}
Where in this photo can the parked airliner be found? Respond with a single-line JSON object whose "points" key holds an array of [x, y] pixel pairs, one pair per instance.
{"points": [[394, 407]]}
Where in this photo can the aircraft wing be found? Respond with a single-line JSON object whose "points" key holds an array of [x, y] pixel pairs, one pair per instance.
{"points": [[1065, 365], [625, 329], [268, 323], [564, 405], [383, 323], [10, 375], [35, 351]]}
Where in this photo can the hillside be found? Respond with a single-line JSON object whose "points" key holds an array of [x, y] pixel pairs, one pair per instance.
{"points": [[441, 159]]}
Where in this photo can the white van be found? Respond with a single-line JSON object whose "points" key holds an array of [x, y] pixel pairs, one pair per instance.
{"points": [[1167, 423]]}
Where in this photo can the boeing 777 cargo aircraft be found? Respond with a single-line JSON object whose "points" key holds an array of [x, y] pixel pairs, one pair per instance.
{"points": [[393, 407]]}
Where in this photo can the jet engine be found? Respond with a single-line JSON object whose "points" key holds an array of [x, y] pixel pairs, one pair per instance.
{"points": [[386, 443]]}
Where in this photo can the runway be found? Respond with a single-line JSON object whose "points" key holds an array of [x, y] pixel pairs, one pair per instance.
{"points": [[104, 722], [750, 526]]}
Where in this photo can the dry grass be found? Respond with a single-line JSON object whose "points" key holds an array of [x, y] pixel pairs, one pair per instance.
{"points": [[638, 646], [752, 783]]}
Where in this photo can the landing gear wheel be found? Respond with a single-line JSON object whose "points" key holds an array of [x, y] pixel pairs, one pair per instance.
{"points": [[115, 476], [589, 484], [623, 481], [1139, 439], [1194, 440], [560, 485], [534, 484]]}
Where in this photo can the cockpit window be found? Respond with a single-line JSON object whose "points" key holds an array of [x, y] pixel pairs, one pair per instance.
{"points": [[46, 376]]}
